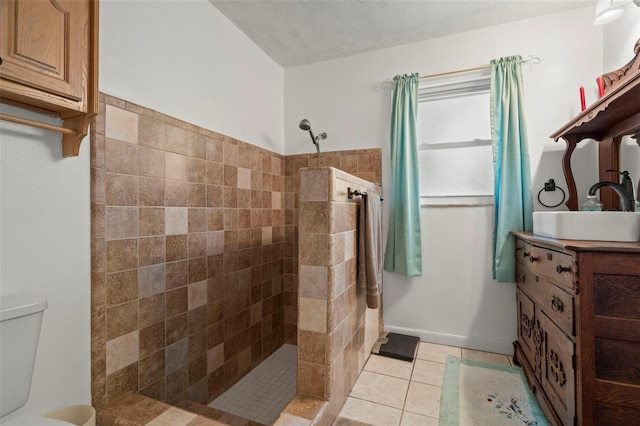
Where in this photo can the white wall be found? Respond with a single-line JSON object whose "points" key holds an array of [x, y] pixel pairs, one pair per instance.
{"points": [[185, 59], [455, 301], [182, 58], [45, 251], [620, 38]]}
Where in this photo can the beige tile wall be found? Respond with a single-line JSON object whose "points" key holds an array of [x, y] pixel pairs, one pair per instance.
{"points": [[194, 253], [188, 230], [332, 308], [365, 164]]}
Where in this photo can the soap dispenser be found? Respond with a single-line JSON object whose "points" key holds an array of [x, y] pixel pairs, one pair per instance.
{"points": [[592, 204]]}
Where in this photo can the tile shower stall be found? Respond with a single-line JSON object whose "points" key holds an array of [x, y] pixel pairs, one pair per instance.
{"points": [[195, 262]]}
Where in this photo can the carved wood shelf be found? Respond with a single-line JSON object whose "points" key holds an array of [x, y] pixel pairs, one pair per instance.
{"points": [[607, 120]]}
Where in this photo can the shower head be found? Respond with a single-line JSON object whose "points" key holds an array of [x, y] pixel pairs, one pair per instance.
{"points": [[304, 124]]}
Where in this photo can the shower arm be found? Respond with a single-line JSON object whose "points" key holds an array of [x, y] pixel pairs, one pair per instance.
{"points": [[314, 139], [317, 144]]}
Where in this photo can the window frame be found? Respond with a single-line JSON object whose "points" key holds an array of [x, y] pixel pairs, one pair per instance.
{"points": [[449, 86]]}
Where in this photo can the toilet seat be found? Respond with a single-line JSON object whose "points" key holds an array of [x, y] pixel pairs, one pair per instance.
{"points": [[35, 421]]}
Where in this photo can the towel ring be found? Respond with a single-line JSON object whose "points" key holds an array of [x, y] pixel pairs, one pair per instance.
{"points": [[564, 195]]}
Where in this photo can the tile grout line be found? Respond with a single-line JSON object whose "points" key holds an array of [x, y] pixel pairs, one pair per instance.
{"points": [[434, 360], [404, 402]]}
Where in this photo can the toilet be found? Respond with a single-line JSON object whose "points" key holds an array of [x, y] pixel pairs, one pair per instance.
{"points": [[20, 321]]}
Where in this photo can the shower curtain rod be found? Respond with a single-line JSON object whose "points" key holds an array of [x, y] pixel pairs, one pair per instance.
{"points": [[535, 60]]}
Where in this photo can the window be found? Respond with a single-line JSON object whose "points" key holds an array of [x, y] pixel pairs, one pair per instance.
{"points": [[454, 139]]}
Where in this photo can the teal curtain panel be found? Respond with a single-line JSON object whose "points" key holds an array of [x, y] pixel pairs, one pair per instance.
{"points": [[512, 170], [403, 253]]}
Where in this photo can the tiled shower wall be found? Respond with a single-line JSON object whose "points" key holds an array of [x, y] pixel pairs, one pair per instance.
{"points": [[194, 253], [365, 164], [332, 326], [188, 239]]}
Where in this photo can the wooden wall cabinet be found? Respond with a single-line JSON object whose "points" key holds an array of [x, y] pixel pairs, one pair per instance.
{"points": [[49, 52], [579, 328], [607, 121]]}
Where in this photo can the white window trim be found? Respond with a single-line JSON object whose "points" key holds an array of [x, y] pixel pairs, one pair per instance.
{"points": [[449, 145], [448, 86], [457, 201]]}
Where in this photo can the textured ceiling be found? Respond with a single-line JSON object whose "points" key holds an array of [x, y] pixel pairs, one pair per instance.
{"points": [[300, 32]]}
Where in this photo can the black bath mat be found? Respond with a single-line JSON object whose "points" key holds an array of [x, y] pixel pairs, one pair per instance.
{"points": [[398, 346]]}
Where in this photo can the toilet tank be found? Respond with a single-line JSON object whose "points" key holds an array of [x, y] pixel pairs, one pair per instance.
{"points": [[20, 320]]}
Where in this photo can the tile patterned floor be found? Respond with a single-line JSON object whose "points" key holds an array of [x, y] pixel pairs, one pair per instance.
{"points": [[392, 392], [388, 392]]}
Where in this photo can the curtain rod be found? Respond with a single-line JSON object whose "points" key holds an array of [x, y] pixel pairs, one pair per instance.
{"points": [[535, 60], [530, 58], [483, 67]]}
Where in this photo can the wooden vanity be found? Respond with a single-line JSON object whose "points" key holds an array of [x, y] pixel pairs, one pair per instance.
{"points": [[579, 328], [579, 301]]}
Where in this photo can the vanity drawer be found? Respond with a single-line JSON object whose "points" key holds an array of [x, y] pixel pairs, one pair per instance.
{"points": [[558, 267], [526, 280], [553, 300], [523, 251]]}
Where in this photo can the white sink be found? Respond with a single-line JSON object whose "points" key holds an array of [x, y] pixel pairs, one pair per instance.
{"points": [[597, 226]]}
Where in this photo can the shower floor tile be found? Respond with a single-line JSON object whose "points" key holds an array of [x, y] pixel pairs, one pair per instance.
{"points": [[262, 394]]}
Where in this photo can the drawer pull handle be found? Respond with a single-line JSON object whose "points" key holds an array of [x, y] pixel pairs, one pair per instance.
{"points": [[556, 304], [560, 269], [521, 277], [533, 259], [526, 253], [549, 256]]}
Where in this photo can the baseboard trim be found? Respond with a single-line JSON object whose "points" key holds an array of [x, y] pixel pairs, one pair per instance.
{"points": [[466, 342]]}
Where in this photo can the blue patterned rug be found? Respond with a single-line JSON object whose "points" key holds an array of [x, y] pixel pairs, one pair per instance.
{"points": [[477, 393]]}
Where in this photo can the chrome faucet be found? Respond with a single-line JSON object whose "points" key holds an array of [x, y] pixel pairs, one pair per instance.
{"points": [[624, 190]]}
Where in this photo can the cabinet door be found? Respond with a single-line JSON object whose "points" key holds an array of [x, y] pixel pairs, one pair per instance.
{"points": [[558, 377], [44, 45], [526, 325]]}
